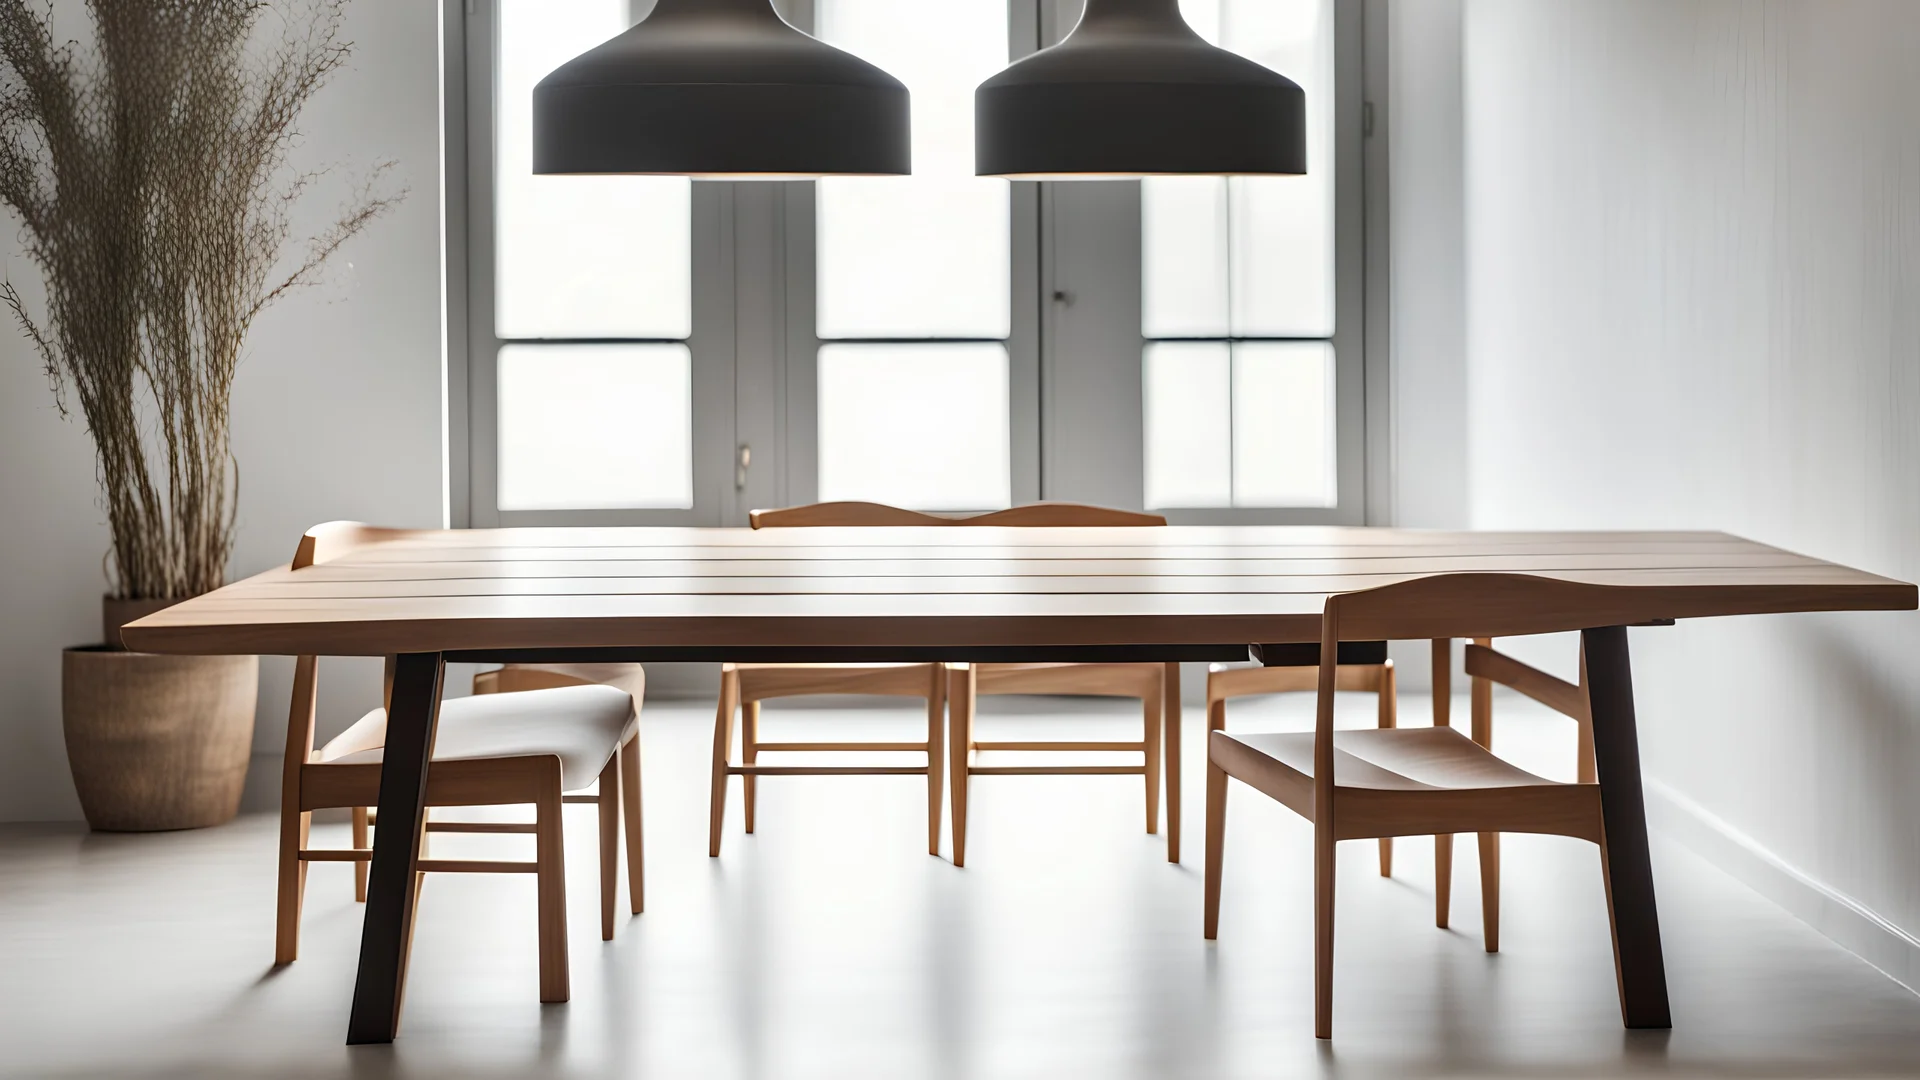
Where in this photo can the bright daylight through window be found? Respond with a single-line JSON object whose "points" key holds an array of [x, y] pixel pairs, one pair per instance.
{"points": [[911, 384], [1237, 296], [585, 426], [918, 257]]}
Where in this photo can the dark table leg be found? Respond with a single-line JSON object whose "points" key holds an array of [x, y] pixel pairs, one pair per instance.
{"points": [[1624, 857], [413, 712]]}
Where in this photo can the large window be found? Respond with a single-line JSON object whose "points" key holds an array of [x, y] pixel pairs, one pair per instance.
{"points": [[660, 350], [601, 259], [1237, 297], [913, 277]]}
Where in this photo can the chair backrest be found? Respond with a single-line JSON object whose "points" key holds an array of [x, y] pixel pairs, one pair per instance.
{"points": [[1035, 515], [330, 540], [322, 543], [1486, 605]]}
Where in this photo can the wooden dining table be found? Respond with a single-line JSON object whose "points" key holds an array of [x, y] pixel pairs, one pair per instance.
{"points": [[929, 593]]}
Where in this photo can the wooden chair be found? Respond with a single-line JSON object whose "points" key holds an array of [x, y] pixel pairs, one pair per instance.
{"points": [[1410, 781], [492, 749], [1487, 667], [631, 678], [1368, 674], [1156, 685], [744, 686]]}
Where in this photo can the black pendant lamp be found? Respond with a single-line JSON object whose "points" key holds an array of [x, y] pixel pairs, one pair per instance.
{"points": [[719, 88], [1133, 91]]}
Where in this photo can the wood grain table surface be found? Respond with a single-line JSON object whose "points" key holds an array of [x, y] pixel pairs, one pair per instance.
{"points": [[870, 588]]}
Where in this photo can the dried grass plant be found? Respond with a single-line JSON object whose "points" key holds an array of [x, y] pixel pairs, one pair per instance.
{"points": [[148, 169]]}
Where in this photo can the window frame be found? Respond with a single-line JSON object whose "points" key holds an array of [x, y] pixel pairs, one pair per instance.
{"points": [[710, 340], [1082, 350], [755, 348], [1023, 325]]}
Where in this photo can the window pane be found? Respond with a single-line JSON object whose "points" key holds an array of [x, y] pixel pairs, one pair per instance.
{"points": [[920, 426], [1183, 256], [595, 427], [578, 256], [1189, 444], [1283, 423], [1249, 256], [924, 256], [1282, 226], [1247, 424]]}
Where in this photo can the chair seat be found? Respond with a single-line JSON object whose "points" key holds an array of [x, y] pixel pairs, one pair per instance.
{"points": [[759, 682], [1397, 759], [1226, 682], [879, 665], [1409, 782], [580, 725], [1099, 680]]}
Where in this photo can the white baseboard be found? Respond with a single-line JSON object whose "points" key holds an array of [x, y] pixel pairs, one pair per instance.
{"points": [[1846, 921]]}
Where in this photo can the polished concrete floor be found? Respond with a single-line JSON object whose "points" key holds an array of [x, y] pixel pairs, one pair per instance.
{"points": [[831, 945]]}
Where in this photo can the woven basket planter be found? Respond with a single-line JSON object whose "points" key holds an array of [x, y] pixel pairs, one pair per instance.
{"points": [[157, 742]]}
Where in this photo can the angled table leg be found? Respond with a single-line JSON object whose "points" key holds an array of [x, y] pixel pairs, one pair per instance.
{"points": [[1624, 856], [413, 713]]}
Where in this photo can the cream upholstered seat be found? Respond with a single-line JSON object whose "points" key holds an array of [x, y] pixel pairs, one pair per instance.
{"points": [[580, 725]]}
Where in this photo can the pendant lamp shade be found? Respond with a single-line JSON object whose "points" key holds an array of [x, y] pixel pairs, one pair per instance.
{"points": [[719, 88], [1133, 91]]}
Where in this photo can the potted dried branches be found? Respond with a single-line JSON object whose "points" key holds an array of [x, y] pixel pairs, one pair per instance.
{"points": [[147, 168]]}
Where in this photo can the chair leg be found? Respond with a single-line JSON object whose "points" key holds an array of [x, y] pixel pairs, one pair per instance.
{"points": [[749, 753], [294, 830], [960, 697], [936, 756], [1583, 753], [1150, 708], [1388, 717], [1323, 864], [1216, 840], [636, 844], [609, 807], [1482, 721], [552, 873], [360, 843], [1442, 844], [1490, 889], [722, 754], [1170, 754]]}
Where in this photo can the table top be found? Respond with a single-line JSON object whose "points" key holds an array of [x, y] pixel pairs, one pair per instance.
{"points": [[874, 589]]}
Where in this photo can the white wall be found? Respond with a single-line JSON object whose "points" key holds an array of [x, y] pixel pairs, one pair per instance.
{"points": [[1693, 301], [1426, 284], [1427, 265], [337, 414]]}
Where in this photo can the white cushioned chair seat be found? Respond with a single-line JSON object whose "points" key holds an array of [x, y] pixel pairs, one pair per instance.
{"points": [[580, 725]]}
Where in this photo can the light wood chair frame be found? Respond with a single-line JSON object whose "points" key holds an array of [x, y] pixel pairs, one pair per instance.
{"points": [[1487, 668], [317, 780], [1477, 606], [1227, 683], [1157, 685], [616, 796], [744, 686]]}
